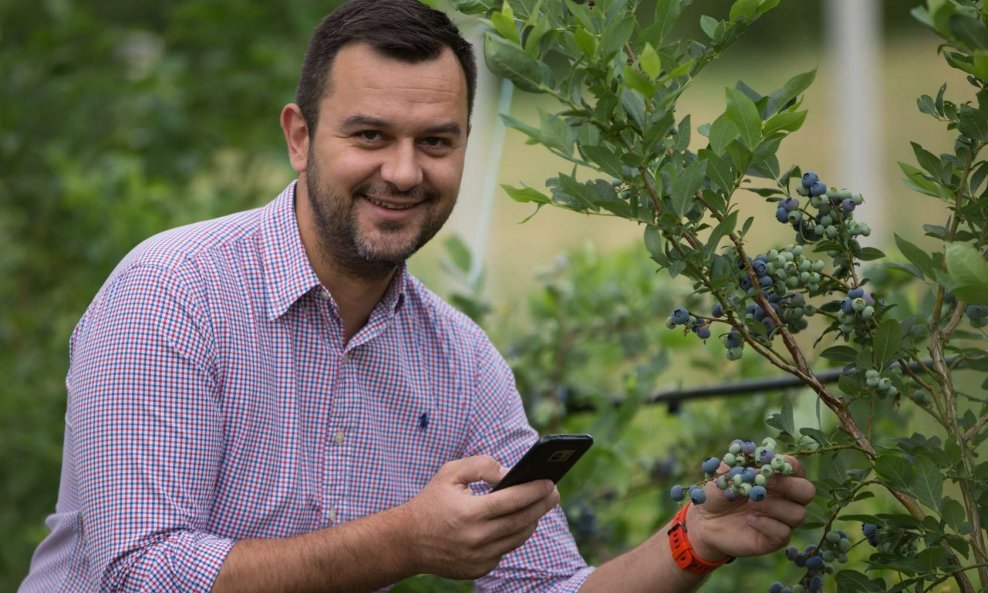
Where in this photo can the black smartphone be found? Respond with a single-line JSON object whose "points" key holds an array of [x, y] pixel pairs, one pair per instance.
{"points": [[549, 459]]}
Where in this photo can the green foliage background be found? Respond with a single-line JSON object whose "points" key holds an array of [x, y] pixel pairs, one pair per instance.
{"points": [[119, 119]]}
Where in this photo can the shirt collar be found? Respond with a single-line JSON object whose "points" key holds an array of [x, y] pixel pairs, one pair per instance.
{"points": [[287, 270]]}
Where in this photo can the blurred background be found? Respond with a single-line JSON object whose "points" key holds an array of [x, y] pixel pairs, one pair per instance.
{"points": [[119, 119]]}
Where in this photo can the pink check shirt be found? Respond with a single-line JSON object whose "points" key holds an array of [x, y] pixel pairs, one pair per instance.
{"points": [[211, 397]]}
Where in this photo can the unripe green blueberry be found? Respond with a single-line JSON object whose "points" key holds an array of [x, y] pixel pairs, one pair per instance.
{"points": [[778, 461], [786, 469], [858, 304], [831, 232], [857, 199], [826, 220], [884, 383], [760, 480], [867, 312], [865, 230], [734, 449], [729, 458], [844, 545], [842, 557], [828, 556], [797, 588], [769, 443], [832, 537]]}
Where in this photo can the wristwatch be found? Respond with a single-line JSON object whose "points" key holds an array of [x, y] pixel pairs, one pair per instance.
{"points": [[682, 549]]}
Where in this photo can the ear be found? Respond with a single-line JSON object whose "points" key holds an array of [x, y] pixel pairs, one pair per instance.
{"points": [[296, 136]]}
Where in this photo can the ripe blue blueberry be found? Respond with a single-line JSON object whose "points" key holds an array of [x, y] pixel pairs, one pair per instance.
{"points": [[677, 493], [818, 189], [847, 205], [814, 562], [748, 447], [680, 315], [781, 214], [869, 529], [710, 464], [809, 178], [718, 310], [856, 292], [775, 587], [697, 495], [757, 493], [702, 331], [734, 340]]}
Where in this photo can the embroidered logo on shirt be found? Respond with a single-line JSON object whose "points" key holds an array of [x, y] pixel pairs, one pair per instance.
{"points": [[423, 420]]}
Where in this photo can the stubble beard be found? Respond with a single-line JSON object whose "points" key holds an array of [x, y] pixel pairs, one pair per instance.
{"points": [[346, 246]]}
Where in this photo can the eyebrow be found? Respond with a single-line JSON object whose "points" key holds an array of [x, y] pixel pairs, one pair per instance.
{"points": [[358, 121]]}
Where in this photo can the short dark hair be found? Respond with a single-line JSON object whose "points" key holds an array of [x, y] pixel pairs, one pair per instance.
{"points": [[406, 30]]}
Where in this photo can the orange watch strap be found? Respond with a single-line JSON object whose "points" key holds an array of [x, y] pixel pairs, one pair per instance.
{"points": [[682, 549]]}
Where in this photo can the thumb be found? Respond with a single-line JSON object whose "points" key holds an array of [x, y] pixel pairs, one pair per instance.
{"points": [[479, 468]]}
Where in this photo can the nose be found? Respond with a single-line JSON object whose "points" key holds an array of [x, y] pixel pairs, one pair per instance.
{"points": [[401, 167]]}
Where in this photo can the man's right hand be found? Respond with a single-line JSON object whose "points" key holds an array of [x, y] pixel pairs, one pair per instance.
{"points": [[454, 534]]}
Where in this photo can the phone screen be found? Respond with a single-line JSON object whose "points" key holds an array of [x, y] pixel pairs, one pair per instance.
{"points": [[548, 459]]}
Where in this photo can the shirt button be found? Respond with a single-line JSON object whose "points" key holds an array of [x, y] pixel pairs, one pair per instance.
{"points": [[338, 437], [332, 515], [324, 294]]}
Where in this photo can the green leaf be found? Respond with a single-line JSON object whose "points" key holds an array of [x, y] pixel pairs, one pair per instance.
{"points": [[852, 581], [929, 161], [471, 6], [685, 186], [653, 242], [966, 265], [650, 62], [458, 253], [788, 423], [635, 80], [504, 24], [953, 513], [586, 41], [605, 158], [969, 30], [927, 483], [887, 338], [895, 470], [743, 11], [916, 256], [870, 254], [708, 25], [786, 121], [634, 106], [742, 111], [973, 294], [510, 61], [919, 182], [526, 194], [722, 133], [793, 87], [666, 14], [844, 354]]}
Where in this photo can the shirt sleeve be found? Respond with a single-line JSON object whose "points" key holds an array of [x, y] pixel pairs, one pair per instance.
{"points": [[549, 562], [147, 432]]}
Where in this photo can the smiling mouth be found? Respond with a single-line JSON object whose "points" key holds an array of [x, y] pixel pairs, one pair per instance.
{"points": [[391, 205]]}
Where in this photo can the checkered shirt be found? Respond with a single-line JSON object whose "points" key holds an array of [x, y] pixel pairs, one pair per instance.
{"points": [[212, 397]]}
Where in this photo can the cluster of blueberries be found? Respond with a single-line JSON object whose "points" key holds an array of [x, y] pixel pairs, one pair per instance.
{"points": [[833, 212], [855, 310], [816, 561], [682, 316], [749, 465]]}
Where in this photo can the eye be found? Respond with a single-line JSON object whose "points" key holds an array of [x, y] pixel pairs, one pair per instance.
{"points": [[436, 143], [369, 135]]}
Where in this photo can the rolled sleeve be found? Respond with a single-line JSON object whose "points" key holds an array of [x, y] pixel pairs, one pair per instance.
{"points": [[147, 436]]}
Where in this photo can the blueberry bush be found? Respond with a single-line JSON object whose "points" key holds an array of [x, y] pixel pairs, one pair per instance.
{"points": [[907, 331]]}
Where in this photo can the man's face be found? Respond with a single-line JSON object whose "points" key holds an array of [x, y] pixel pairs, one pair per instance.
{"points": [[385, 163]]}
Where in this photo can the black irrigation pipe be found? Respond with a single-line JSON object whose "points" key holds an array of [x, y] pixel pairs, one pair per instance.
{"points": [[673, 398]]}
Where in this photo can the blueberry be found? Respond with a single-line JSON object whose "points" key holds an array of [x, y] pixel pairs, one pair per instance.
{"points": [[816, 583], [856, 293], [748, 474], [697, 495], [710, 464], [734, 340], [809, 178], [814, 562], [680, 315], [718, 310], [760, 267], [775, 587], [781, 214], [748, 447], [792, 552], [677, 493], [847, 205], [702, 331], [790, 204], [818, 189], [757, 493], [847, 306], [869, 529], [766, 456]]}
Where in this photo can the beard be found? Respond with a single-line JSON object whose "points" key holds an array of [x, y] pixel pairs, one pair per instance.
{"points": [[357, 253]]}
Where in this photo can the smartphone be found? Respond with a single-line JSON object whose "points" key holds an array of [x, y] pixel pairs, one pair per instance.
{"points": [[549, 459]]}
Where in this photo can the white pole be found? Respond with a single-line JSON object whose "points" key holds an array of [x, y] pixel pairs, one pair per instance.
{"points": [[854, 39]]}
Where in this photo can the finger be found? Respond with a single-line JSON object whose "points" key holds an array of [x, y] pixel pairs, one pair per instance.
{"points": [[781, 509], [775, 533], [510, 541], [479, 468], [515, 498], [523, 519], [798, 470], [799, 490]]}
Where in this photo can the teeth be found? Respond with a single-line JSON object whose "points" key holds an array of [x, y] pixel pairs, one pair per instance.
{"points": [[390, 206]]}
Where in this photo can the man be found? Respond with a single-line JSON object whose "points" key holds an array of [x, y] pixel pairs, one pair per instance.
{"points": [[270, 402]]}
